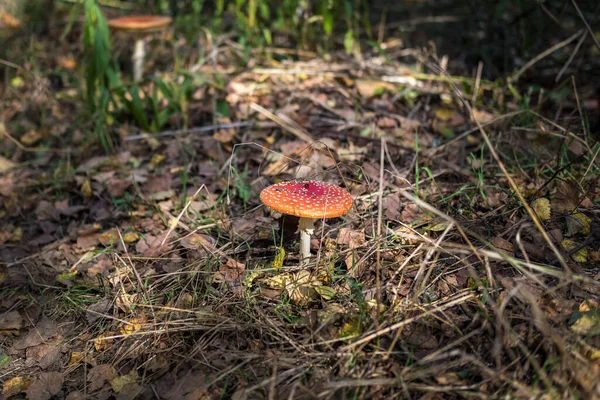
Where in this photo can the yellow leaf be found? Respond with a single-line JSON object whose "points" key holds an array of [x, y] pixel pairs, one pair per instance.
{"points": [[14, 386], [102, 344], [352, 328], [156, 160], [325, 292], [5, 164], [132, 325], [438, 227], [120, 382], [17, 82], [579, 256], [444, 114], [131, 237], [76, 358], [31, 137], [86, 189], [66, 276], [279, 257], [542, 209], [578, 223], [109, 237], [586, 323], [301, 287], [278, 281]]}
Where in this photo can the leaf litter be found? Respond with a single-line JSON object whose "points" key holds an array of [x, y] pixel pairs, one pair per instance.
{"points": [[141, 269]]}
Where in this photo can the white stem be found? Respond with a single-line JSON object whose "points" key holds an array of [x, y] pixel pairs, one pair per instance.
{"points": [[138, 60], [306, 227]]}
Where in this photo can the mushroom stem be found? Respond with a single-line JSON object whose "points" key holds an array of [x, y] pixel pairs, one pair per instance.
{"points": [[138, 60], [306, 226]]}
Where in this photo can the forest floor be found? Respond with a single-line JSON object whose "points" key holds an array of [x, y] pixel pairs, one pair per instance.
{"points": [[468, 266]]}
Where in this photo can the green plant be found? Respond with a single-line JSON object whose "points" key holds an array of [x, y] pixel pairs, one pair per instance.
{"points": [[99, 75], [153, 107]]}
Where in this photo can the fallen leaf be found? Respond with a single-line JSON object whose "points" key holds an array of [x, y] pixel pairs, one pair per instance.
{"points": [[100, 374], [14, 386], [580, 255], [46, 355], [131, 325], [411, 213], [88, 241], [11, 321], [9, 21], [279, 258], [371, 88], [31, 137], [86, 189], [37, 335], [566, 198], [102, 265], [5, 164], [131, 237], [156, 160], [110, 237], [301, 287], [101, 343], [541, 206], [119, 382], [578, 223], [45, 385], [351, 238]]}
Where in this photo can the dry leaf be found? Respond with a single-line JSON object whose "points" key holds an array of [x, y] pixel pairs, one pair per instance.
{"points": [[5, 164], [578, 223], [14, 386], [566, 198], [351, 238], [300, 287], [131, 325], [580, 255], [120, 382], [101, 343], [541, 206], [100, 374], [45, 385], [11, 321]]}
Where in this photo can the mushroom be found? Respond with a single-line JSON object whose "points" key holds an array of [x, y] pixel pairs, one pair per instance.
{"points": [[139, 26], [309, 200]]}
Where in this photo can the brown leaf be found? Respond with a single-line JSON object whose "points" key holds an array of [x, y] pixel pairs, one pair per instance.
{"points": [[387, 122], [14, 386], [87, 241], [45, 385], [100, 374], [411, 213], [150, 245], [391, 206], [158, 183], [11, 320], [102, 265], [370, 88], [46, 355], [351, 238], [37, 335], [566, 198], [117, 187]]}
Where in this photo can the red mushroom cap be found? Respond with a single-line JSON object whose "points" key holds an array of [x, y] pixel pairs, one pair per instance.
{"points": [[139, 22], [307, 199]]}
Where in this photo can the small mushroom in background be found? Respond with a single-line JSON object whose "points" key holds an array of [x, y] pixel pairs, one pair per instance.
{"points": [[139, 26], [309, 200]]}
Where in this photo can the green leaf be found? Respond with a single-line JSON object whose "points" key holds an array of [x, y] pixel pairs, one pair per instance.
{"points": [[349, 41]]}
